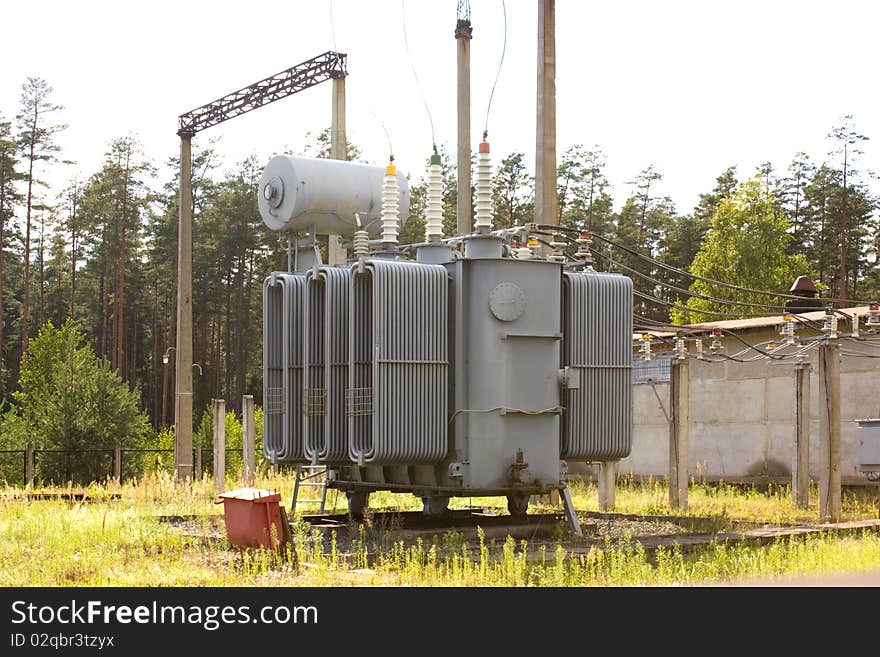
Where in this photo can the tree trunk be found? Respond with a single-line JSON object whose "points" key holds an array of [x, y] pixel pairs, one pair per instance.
{"points": [[230, 356], [42, 314], [156, 357], [26, 294], [2, 280], [74, 252], [105, 311], [844, 232], [119, 297]]}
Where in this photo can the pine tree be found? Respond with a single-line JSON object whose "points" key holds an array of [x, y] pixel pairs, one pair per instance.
{"points": [[512, 192], [37, 145], [9, 197], [847, 149]]}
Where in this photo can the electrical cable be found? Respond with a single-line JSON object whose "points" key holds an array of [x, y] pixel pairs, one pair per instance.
{"points": [[498, 74], [387, 136], [695, 276], [801, 318], [416, 75], [698, 295], [333, 28]]}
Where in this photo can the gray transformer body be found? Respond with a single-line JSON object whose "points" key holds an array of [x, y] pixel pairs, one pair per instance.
{"points": [[477, 376], [507, 335]]}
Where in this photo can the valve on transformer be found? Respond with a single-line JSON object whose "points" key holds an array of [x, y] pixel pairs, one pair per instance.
{"points": [[771, 347]]}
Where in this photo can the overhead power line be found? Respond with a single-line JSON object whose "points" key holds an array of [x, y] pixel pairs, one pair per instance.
{"points": [[683, 272]]}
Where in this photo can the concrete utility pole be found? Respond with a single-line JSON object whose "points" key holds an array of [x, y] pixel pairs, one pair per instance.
{"points": [[546, 205], [829, 432], [183, 401], [219, 422], [463, 35], [800, 471], [336, 253], [679, 389], [607, 482], [306, 74], [248, 427]]}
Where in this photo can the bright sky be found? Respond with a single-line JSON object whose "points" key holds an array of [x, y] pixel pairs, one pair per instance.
{"points": [[691, 87]]}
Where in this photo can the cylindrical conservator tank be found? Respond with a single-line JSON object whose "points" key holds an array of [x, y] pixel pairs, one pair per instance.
{"points": [[296, 193]]}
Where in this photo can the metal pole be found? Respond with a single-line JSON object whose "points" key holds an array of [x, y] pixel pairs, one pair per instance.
{"points": [[679, 385], [336, 254], [829, 433], [546, 209], [248, 427], [464, 220], [800, 471], [219, 422], [183, 348]]}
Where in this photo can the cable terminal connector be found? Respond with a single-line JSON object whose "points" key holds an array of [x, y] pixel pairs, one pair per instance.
{"points": [[787, 330], [680, 348], [646, 346], [584, 241], [716, 344], [829, 328]]}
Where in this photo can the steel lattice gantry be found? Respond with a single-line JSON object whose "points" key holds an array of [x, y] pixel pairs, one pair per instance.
{"points": [[297, 78]]}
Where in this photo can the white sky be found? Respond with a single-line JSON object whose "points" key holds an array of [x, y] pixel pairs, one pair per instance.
{"points": [[690, 87]]}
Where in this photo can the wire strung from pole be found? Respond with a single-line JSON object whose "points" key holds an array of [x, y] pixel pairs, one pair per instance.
{"points": [[662, 264], [498, 73], [802, 319], [681, 290], [333, 28], [387, 136], [416, 75]]}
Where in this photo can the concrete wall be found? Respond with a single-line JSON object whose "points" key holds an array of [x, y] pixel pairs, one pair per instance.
{"points": [[742, 417]]}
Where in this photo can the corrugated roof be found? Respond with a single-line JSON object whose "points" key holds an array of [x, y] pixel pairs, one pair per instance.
{"points": [[754, 323]]}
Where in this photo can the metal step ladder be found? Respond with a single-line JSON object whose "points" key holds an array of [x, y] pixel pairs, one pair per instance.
{"points": [[312, 477]]}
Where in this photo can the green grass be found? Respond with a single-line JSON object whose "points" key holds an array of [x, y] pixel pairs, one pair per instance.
{"points": [[121, 542]]}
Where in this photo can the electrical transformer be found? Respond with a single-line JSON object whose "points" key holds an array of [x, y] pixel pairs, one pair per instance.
{"points": [[469, 366]]}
